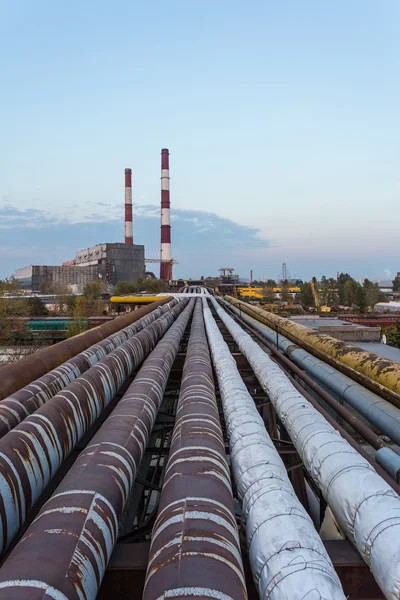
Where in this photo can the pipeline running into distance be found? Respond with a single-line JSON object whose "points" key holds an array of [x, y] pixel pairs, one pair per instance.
{"points": [[32, 452], [25, 401], [379, 374], [81, 518], [287, 556], [18, 374], [375, 409], [365, 506], [195, 543]]}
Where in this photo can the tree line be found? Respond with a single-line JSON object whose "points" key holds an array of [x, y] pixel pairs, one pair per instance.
{"points": [[344, 291]]}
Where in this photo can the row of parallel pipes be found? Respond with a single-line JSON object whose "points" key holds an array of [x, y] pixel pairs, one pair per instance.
{"points": [[195, 547], [32, 452], [375, 409], [18, 374], [376, 373], [24, 402], [65, 551], [365, 506], [287, 556]]}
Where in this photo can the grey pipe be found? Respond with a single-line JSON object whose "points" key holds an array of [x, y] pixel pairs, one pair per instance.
{"points": [[377, 411], [390, 461]]}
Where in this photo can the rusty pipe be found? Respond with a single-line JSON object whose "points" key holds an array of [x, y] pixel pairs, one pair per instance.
{"points": [[25, 401], [369, 436], [32, 453], [195, 543], [19, 374], [376, 373], [81, 518]]}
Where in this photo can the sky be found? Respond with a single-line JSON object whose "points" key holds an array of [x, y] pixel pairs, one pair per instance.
{"points": [[281, 117]]}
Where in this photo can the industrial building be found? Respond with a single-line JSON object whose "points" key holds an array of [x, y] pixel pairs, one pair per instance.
{"points": [[34, 277], [115, 262], [110, 262], [105, 262]]}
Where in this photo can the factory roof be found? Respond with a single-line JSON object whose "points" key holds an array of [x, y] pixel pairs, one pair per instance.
{"points": [[381, 349], [317, 322]]}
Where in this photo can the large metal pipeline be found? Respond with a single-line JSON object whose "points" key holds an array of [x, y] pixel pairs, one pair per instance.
{"points": [[25, 401], [373, 371], [377, 411], [81, 518], [19, 374], [287, 556], [365, 506], [195, 543], [32, 453]]}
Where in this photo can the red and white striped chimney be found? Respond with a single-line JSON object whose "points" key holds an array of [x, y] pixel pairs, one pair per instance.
{"points": [[128, 207], [165, 265]]}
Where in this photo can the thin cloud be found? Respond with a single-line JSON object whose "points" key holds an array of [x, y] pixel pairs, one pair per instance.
{"points": [[201, 241]]}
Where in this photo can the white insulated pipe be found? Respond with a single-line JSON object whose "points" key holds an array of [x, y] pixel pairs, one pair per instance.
{"points": [[365, 506], [287, 556]]}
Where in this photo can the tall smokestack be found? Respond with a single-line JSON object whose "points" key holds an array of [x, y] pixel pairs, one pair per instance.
{"points": [[128, 207], [165, 265]]}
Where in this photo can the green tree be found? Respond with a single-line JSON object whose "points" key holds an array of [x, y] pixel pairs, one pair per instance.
{"points": [[306, 295], [361, 298], [93, 290], [373, 293], [152, 286], [396, 284], [50, 288], [36, 307], [349, 292], [343, 277], [81, 314], [268, 295], [285, 295], [125, 287], [271, 283], [393, 335], [11, 308]]}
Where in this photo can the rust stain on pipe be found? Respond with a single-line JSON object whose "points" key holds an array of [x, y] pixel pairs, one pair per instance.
{"points": [[375, 372], [24, 402], [67, 547], [26, 370], [33, 451], [195, 548]]}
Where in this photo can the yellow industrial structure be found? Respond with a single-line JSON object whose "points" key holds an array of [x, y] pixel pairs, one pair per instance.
{"points": [[317, 302], [384, 372], [134, 299], [258, 292]]}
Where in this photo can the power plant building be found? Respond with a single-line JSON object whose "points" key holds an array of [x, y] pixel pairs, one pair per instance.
{"points": [[32, 278], [105, 262]]}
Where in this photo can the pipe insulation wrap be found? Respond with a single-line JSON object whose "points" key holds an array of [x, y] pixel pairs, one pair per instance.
{"points": [[384, 372], [195, 541], [365, 506], [376, 410], [287, 556]]}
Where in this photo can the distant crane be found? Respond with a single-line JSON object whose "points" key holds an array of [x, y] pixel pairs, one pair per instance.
{"points": [[315, 294]]}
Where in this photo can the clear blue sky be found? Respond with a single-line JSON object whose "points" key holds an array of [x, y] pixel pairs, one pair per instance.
{"points": [[280, 115]]}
